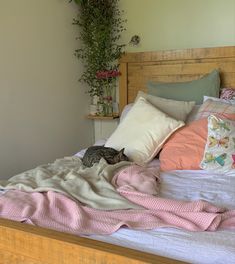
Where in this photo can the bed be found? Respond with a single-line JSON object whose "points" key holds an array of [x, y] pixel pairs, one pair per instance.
{"points": [[22, 243]]}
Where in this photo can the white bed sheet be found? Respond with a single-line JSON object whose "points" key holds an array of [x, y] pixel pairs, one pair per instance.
{"points": [[194, 247]]}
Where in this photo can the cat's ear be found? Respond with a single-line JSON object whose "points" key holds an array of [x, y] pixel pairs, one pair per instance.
{"points": [[122, 151]]}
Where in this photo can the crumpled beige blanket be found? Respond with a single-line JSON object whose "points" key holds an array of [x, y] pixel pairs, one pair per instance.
{"points": [[91, 186]]}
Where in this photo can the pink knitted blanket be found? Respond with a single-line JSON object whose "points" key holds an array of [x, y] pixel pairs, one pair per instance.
{"points": [[56, 211]]}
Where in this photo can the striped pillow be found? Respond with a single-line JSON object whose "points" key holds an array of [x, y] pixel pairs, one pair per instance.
{"points": [[210, 107]]}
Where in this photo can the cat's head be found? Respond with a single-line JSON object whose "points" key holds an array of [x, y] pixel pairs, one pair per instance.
{"points": [[120, 156]]}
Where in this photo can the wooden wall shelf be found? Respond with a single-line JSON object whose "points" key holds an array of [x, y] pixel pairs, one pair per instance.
{"points": [[96, 117]]}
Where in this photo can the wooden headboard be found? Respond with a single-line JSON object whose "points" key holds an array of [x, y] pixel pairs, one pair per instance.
{"points": [[173, 66]]}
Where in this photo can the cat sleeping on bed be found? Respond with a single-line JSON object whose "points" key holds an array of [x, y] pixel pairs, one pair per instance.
{"points": [[95, 153]]}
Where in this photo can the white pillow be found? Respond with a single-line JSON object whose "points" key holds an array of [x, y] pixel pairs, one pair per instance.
{"points": [[125, 111], [176, 109], [143, 132], [227, 101]]}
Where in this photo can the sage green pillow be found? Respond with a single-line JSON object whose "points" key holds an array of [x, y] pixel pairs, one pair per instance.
{"points": [[208, 85]]}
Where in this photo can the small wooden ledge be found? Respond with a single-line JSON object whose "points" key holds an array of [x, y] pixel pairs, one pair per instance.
{"points": [[96, 117]]}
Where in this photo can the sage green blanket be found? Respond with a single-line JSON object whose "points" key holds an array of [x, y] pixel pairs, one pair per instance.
{"points": [[91, 186]]}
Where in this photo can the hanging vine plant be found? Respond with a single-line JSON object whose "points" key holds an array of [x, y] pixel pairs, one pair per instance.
{"points": [[101, 24]]}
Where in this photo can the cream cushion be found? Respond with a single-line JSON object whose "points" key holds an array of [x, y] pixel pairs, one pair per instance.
{"points": [[176, 109], [143, 132]]}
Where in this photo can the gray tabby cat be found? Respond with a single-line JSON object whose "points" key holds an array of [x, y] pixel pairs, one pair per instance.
{"points": [[95, 153]]}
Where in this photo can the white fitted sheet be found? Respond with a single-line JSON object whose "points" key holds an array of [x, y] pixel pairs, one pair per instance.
{"points": [[194, 247]]}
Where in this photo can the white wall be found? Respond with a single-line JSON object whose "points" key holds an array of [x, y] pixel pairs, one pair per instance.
{"points": [[42, 104], [179, 24]]}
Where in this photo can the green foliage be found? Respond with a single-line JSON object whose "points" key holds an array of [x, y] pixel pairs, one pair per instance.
{"points": [[101, 25]]}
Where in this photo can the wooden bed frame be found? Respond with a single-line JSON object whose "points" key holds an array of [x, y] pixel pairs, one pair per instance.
{"points": [[26, 244], [173, 66]]}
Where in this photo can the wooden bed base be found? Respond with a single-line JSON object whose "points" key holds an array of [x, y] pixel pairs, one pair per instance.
{"points": [[26, 244]]}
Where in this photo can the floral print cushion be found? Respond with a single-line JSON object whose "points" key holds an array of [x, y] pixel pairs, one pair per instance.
{"points": [[227, 94], [219, 154]]}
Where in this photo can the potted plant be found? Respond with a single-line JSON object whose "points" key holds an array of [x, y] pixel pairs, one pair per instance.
{"points": [[101, 24]]}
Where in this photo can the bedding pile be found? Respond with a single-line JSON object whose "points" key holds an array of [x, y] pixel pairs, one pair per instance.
{"points": [[54, 210], [90, 186]]}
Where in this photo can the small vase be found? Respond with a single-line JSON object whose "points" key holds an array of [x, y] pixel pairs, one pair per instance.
{"points": [[105, 108], [101, 109], [108, 108], [108, 100], [93, 109]]}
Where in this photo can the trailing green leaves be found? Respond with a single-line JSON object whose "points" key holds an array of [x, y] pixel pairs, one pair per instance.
{"points": [[101, 25]]}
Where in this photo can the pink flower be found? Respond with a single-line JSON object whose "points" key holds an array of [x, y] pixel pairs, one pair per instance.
{"points": [[109, 98], [107, 74]]}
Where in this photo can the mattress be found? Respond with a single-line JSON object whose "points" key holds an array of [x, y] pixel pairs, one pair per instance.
{"points": [[193, 247]]}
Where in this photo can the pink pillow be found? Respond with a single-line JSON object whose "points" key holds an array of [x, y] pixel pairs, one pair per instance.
{"points": [[185, 148]]}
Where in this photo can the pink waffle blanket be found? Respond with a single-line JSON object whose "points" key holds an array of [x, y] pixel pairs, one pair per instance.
{"points": [[56, 211]]}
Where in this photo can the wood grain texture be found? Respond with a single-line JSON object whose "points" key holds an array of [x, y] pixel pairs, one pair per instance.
{"points": [[173, 66], [184, 54], [123, 83], [26, 244]]}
